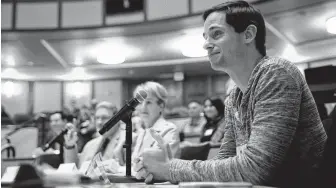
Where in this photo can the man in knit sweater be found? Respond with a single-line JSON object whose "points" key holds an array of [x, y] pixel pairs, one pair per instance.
{"points": [[274, 134]]}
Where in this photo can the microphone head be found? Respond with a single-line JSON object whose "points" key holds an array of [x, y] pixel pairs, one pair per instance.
{"points": [[141, 95]]}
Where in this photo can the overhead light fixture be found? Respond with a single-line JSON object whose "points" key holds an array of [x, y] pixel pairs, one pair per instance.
{"points": [[112, 51], [111, 56], [190, 43], [78, 61], [331, 25], [12, 73], [10, 89], [77, 73], [192, 46], [178, 76], [10, 61]]}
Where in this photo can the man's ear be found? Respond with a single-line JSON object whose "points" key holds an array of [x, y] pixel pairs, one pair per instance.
{"points": [[162, 105], [250, 33]]}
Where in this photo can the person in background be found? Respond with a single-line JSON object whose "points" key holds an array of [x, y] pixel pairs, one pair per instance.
{"points": [[150, 112], [86, 128], [93, 105], [105, 144], [57, 122], [214, 114], [73, 108], [196, 120], [149, 115], [274, 135]]}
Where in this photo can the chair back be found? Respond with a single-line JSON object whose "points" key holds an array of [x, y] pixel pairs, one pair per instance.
{"points": [[25, 141], [328, 166], [214, 149], [195, 151]]}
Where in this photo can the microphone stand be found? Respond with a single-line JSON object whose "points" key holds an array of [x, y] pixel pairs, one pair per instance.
{"points": [[128, 145]]}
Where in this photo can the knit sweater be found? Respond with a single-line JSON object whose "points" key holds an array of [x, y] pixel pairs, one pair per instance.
{"points": [[274, 135]]}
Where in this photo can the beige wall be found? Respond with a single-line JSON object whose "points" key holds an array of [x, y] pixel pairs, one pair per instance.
{"points": [[47, 96], [109, 90]]}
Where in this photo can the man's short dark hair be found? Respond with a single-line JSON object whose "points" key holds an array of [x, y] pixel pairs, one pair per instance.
{"points": [[239, 15], [65, 117]]}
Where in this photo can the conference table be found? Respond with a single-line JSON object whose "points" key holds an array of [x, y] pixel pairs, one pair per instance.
{"points": [[163, 185], [141, 184]]}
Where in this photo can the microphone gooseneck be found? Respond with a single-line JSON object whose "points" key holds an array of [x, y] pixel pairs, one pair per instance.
{"points": [[54, 140]]}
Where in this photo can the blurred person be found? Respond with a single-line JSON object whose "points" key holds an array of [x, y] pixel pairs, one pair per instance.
{"points": [[274, 134], [214, 127], [105, 144], [57, 122], [86, 128], [196, 120], [93, 105], [73, 108]]}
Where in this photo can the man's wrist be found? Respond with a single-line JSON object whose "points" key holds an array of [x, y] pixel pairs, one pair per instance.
{"points": [[70, 147], [171, 168]]}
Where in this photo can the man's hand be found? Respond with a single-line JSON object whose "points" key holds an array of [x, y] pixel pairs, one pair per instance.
{"points": [[154, 163], [111, 166], [71, 138]]}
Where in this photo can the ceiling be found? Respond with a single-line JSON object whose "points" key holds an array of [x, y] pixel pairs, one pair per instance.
{"points": [[295, 30]]}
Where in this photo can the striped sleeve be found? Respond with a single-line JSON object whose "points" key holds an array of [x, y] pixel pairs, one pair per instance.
{"points": [[276, 115]]}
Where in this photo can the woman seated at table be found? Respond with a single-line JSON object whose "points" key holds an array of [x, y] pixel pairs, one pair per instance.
{"points": [[150, 112]]}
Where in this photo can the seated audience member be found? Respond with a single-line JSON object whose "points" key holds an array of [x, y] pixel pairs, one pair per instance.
{"points": [[150, 112], [274, 134], [86, 128], [57, 122], [213, 129], [104, 144], [196, 121]]}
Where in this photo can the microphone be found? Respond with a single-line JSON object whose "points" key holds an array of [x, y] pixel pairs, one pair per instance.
{"points": [[55, 139], [125, 111]]}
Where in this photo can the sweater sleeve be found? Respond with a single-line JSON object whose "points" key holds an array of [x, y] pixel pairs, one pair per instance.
{"points": [[276, 114], [228, 147]]}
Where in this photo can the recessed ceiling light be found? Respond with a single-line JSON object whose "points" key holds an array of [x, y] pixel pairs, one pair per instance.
{"points": [[12, 73], [131, 72], [192, 46], [10, 61], [113, 51], [331, 25], [110, 58], [78, 61]]}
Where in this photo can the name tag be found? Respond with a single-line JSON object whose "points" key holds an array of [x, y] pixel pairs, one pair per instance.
{"points": [[10, 174], [208, 132], [67, 167], [84, 167]]}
